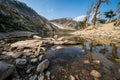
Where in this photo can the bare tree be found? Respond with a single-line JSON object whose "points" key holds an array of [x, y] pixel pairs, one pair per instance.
{"points": [[96, 8], [118, 8], [89, 13]]}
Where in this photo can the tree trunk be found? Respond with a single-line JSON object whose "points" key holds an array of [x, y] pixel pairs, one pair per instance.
{"points": [[95, 13], [87, 19], [94, 18]]}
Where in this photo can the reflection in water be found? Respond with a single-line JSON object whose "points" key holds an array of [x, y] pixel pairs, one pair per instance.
{"points": [[114, 51], [91, 49], [114, 54], [70, 61]]}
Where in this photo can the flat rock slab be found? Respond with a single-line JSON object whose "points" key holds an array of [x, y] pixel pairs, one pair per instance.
{"points": [[16, 34], [27, 43]]}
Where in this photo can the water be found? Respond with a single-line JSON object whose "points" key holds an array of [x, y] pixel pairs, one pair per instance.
{"points": [[79, 61]]}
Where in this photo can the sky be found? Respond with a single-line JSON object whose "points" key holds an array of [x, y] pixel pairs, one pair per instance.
{"points": [[76, 9]]}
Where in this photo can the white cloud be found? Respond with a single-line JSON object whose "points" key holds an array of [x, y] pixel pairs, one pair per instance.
{"points": [[80, 18]]}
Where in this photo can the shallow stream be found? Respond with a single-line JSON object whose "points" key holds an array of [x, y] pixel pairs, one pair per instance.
{"points": [[69, 62]]}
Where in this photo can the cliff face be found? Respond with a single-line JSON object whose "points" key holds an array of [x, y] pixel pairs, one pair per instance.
{"points": [[65, 22], [15, 15]]}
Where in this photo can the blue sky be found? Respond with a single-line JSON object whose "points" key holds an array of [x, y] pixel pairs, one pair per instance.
{"points": [[76, 9]]}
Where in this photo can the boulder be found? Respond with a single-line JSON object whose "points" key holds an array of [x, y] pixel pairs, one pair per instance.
{"points": [[6, 70], [43, 65]]}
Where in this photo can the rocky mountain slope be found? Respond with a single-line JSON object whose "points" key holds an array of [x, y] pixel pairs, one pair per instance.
{"points": [[17, 16], [65, 22]]}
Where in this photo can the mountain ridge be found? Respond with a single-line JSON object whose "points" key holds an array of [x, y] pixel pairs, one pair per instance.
{"points": [[16, 15], [65, 22]]}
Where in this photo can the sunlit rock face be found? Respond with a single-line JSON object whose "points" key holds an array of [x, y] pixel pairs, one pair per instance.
{"points": [[16, 15]]}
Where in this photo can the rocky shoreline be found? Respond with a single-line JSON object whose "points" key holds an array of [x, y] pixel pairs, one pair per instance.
{"points": [[100, 35], [23, 59], [21, 56]]}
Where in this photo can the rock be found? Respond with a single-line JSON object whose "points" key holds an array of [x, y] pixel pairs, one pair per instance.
{"points": [[55, 36], [31, 44], [71, 77], [96, 61], [17, 54], [41, 77], [42, 66], [42, 49], [82, 50], [4, 52], [36, 37], [33, 77], [117, 60], [10, 54], [119, 70], [48, 75], [27, 50], [17, 34], [30, 69], [34, 60], [60, 39], [6, 70], [28, 53], [95, 74], [21, 61], [40, 57], [86, 62], [58, 47]]}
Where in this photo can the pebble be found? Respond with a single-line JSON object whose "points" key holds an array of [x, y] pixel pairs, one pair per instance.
{"points": [[71, 77], [28, 53], [33, 77], [86, 62], [58, 47], [17, 55], [41, 77], [48, 74], [95, 74], [30, 69], [96, 61], [83, 50], [40, 57]]}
